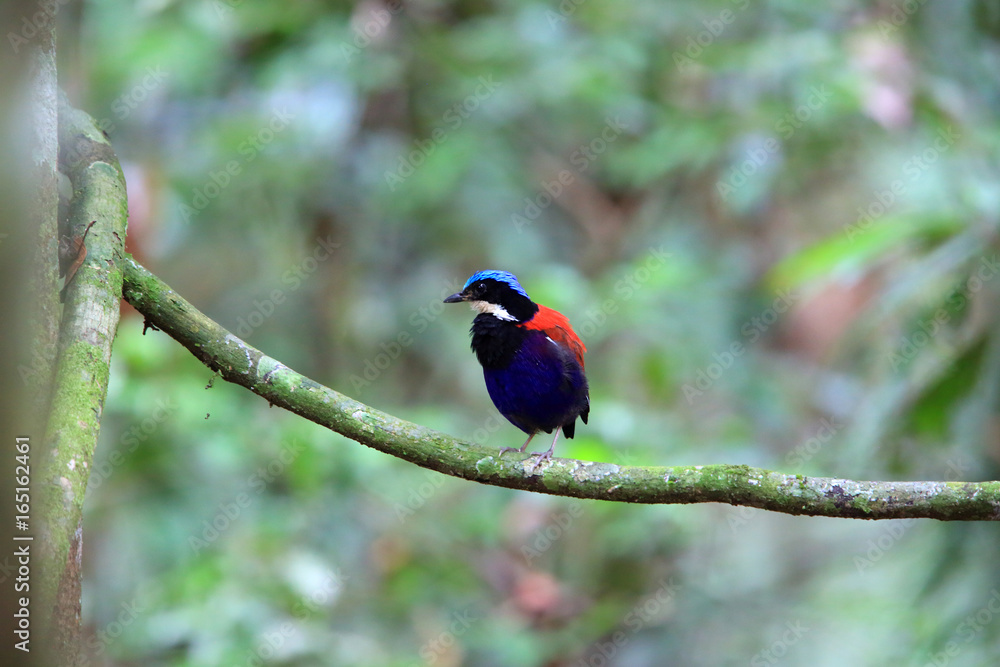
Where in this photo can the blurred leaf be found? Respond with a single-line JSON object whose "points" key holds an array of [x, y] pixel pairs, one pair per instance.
{"points": [[857, 247], [938, 405]]}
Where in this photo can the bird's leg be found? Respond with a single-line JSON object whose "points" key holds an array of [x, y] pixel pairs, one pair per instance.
{"points": [[547, 456], [514, 449]]}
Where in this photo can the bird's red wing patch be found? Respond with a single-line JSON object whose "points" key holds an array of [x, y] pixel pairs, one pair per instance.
{"points": [[555, 325]]}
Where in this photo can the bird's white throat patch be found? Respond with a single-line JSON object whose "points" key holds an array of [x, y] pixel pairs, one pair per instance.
{"points": [[493, 309]]}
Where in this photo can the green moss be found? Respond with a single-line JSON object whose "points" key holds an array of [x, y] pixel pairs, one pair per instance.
{"points": [[862, 503]]}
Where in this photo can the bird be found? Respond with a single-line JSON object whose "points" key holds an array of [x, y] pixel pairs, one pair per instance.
{"points": [[532, 359]]}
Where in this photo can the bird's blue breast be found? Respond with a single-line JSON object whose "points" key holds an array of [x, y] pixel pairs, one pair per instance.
{"points": [[541, 388]]}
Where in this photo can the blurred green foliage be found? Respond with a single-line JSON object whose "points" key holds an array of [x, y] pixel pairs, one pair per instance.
{"points": [[774, 226]]}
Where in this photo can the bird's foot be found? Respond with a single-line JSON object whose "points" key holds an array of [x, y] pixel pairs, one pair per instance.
{"points": [[542, 458], [515, 449], [545, 456]]}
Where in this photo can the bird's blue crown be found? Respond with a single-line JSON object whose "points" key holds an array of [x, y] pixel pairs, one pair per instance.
{"points": [[502, 276]]}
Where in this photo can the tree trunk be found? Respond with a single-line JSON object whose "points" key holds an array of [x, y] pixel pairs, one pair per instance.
{"points": [[58, 375], [96, 223]]}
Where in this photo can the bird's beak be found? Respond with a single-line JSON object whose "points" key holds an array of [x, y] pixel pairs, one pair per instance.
{"points": [[455, 298]]}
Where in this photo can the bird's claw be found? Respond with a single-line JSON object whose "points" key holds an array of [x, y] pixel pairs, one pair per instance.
{"points": [[542, 458]]}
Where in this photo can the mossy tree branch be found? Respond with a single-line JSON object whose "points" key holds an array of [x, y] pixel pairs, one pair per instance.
{"points": [[89, 322], [242, 364]]}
